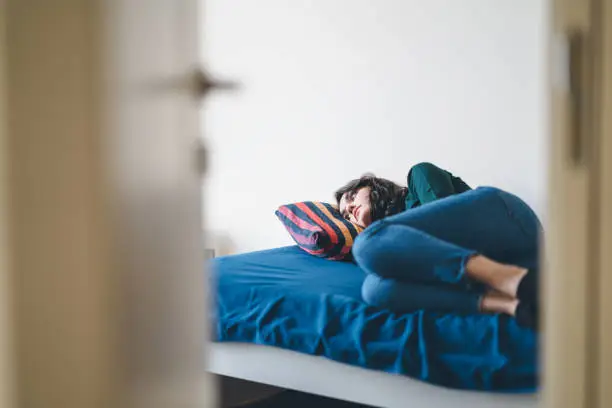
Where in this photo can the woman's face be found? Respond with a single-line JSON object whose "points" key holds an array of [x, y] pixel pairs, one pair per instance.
{"points": [[355, 206]]}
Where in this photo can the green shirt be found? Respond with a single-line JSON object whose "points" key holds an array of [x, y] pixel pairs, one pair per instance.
{"points": [[427, 182]]}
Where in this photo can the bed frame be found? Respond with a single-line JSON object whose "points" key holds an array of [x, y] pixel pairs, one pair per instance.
{"points": [[321, 376]]}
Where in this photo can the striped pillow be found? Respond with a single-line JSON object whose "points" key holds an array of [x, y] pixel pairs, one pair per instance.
{"points": [[319, 229]]}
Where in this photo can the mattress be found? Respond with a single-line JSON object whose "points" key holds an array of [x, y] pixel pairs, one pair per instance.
{"points": [[286, 298], [321, 376]]}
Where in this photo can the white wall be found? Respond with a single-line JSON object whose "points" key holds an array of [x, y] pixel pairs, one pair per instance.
{"points": [[334, 88]]}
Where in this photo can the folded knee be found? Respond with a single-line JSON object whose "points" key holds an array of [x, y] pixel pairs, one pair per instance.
{"points": [[374, 291], [365, 249], [359, 245], [488, 190]]}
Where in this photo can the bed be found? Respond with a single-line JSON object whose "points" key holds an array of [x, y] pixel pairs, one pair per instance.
{"points": [[285, 318]]}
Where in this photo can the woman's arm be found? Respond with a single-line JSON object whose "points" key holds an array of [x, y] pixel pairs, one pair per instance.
{"points": [[427, 182]]}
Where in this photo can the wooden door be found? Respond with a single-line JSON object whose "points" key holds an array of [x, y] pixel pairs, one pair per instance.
{"points": [[577, 353], [104, 184]]}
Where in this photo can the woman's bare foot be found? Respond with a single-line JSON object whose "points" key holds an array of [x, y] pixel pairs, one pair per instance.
{"points": [[507, 279], [502, 278], [496, 302]]}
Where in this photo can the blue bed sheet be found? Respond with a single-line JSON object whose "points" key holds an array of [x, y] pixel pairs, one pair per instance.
{"points": [[286, 298]]}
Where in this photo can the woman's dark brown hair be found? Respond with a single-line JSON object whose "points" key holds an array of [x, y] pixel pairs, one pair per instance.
{"points": [[386, 197]]}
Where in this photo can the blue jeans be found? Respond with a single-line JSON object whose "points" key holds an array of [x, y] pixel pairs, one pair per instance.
{"points": [[416, 259]]}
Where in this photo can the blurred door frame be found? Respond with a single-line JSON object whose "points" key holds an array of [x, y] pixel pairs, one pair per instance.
{"points": [[6, 327], [101, 288], [577, 340]]}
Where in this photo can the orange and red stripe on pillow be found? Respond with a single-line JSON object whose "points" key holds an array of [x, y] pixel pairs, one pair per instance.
{"points": [[319, 229]]}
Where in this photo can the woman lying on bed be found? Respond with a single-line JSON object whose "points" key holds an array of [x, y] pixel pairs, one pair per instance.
{"points": [[441, 246]]}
